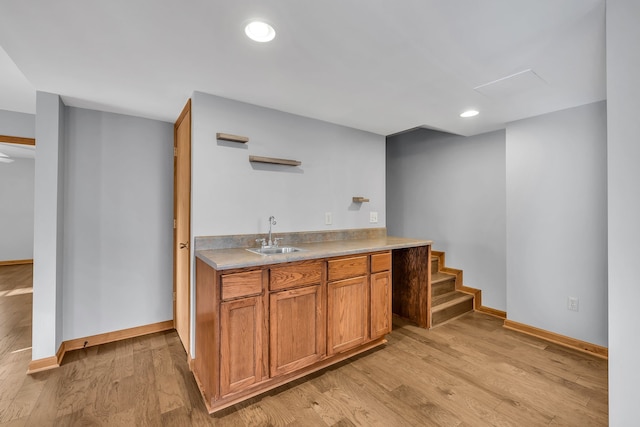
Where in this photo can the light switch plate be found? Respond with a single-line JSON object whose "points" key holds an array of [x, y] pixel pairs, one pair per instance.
{"points": [[373, 217]]}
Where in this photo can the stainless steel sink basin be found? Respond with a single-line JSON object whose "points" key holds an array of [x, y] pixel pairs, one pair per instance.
{"points": [[274, 250]]}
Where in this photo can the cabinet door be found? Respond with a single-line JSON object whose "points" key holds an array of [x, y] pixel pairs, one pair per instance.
{"points": [[347, 304], [297, 329], [240, 344], [380, 304]]}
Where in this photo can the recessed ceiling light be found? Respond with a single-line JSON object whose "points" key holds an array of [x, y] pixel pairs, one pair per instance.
{"points": [[260, 31], [469, 113]]}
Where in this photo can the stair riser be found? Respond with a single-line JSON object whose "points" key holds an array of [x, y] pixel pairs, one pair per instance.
{"points": [[451, 312], [443, 287], [434, 265]]}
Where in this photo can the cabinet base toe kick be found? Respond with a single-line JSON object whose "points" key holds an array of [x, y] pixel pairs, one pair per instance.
{"points": [[214, 406]]}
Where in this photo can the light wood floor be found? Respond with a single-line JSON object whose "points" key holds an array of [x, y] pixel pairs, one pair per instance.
{"points": [[468, 372]]}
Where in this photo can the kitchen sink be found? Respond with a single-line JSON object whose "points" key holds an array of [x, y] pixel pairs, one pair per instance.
{"points": [[274, 250]]}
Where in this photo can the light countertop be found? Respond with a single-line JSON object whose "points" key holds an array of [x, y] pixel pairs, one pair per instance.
{"points": [[225, 259]]}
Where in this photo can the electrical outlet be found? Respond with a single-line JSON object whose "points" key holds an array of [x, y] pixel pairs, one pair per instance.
{"points": [[572, 303], [328, 218], [373, 217]]}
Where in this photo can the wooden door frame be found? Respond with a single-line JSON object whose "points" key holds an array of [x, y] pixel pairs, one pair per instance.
{"points": [[186, 110]]}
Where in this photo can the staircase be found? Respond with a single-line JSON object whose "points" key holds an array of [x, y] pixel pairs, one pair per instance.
{"points": [[449, 298]]}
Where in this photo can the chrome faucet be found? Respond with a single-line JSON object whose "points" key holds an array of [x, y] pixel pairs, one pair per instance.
{"points": [[272, 221]]}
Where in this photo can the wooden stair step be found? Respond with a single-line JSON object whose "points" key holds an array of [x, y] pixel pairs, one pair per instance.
{"points": [[450, 305], [434, 264], [442, 283]]}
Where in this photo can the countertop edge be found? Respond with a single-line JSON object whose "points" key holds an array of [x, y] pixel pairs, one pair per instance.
{"points": [[310, 251]]}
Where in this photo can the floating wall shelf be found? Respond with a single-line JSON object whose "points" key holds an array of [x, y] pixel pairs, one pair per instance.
{"points": [[274, 161], [357, 199], [232, 138]]}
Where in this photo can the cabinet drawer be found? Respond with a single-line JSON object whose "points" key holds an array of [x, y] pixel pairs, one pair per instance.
{"points": [[295, 275], [344, 268], [238, 285], [380, 262]]}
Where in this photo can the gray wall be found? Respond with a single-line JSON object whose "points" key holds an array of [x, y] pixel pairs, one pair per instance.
{"points": [[232, 196], [17, 191], [118, 223], [48, 232], [17, 124], [16, 209], [451, 189], [623, 92], [557, 222]]}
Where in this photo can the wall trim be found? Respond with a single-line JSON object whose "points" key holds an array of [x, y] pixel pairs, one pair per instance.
{"points": [[93, 340], [45, 364], [17, 140], [492, 312], [122, 334], [16, 262], [583, 346]]}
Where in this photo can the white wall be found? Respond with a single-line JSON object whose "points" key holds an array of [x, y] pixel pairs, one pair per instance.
{"points": [[557, 222], [17, 124], [16, 209], [623, 92], [451, 189], [118, 223], [230, 195]]}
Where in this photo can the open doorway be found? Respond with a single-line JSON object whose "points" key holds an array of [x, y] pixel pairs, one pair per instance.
{"points": [[17, 176]]}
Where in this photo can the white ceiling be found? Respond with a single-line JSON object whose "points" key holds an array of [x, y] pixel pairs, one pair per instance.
{"points": [[378, 65]]}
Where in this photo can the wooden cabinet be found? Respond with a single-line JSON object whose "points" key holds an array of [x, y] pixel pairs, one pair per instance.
{"points": [[241, 330], [381, 315], [347, 314], [260, 327], [380, 295], [297, 331], [297, 328], [240, 344]]}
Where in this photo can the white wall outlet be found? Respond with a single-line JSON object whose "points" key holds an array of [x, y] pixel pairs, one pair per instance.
{"points": [[572, 303], [328, 218], [373, 217]]}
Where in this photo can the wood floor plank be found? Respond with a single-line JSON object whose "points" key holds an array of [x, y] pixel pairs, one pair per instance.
{"points": [[468, 372]]}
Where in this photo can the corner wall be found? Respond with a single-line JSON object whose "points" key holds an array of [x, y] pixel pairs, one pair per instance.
{"points": [[451, 189], [47, 233], [623, 92], [557, 222]]}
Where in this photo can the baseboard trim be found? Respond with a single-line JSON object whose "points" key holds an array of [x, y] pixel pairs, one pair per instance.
{"points": [[39, 365], [16, 262], [122, 334], [93, 340], [492, 312], [583, 346]]}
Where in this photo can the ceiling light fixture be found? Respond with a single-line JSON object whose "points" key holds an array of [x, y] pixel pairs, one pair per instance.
{"points": [[469, 113], [260, 31]]}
